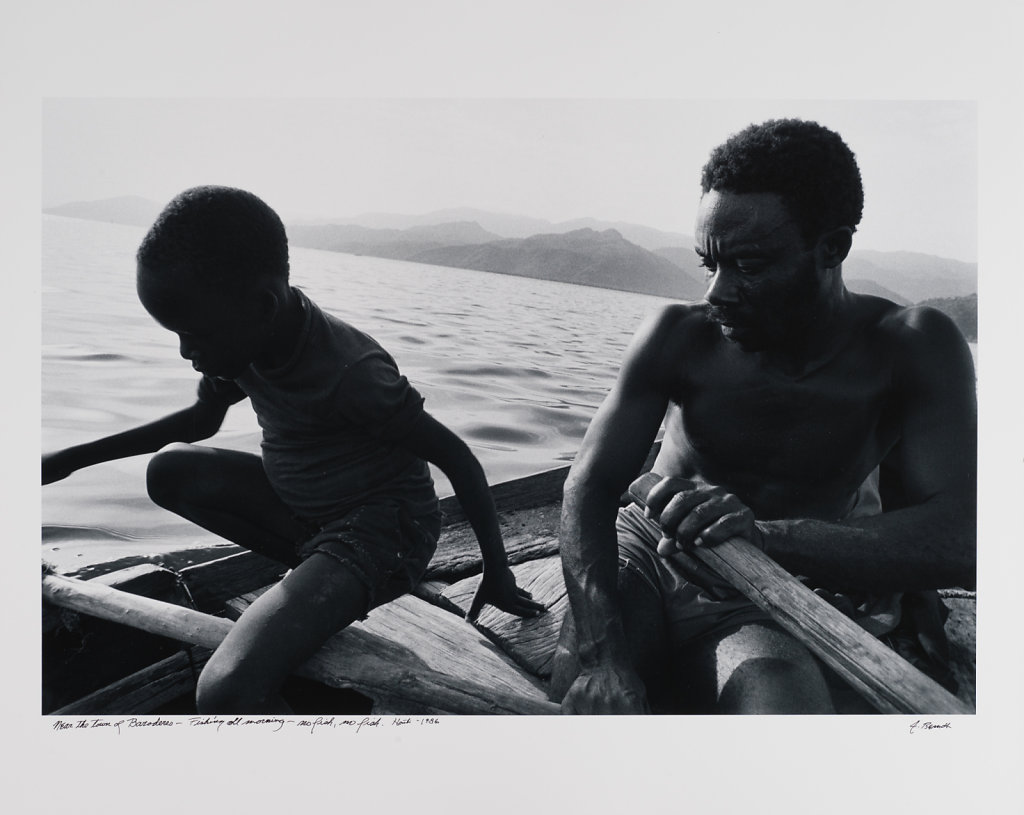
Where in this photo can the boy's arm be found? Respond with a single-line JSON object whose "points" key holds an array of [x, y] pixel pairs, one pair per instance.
{"points": [[200, 421], [432, 441]]}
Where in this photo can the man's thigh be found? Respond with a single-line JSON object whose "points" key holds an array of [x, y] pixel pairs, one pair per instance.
{"points": [[752, 668]]}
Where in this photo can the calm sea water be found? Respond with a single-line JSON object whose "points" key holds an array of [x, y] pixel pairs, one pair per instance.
{"points": [[516, 367]]}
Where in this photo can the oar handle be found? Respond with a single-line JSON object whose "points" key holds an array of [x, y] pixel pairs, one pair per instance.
{"points": [[877, 672]]}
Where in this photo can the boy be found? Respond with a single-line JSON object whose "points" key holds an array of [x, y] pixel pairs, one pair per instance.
{"points": [[341, 494]]}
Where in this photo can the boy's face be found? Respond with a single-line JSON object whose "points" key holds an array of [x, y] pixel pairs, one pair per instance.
{"points": [[219, 334]]}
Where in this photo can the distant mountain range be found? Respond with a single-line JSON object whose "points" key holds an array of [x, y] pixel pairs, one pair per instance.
{"points": [[913, 275], [627, 257], [131, 210], [962, 310], [403, 244], [604, 259], [584, 256], [517, 226]]}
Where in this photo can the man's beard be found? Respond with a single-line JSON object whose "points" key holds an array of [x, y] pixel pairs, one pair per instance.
{"points": [[752, 325]]}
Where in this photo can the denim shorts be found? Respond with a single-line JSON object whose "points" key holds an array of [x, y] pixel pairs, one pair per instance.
{"points": [[386, 548]]}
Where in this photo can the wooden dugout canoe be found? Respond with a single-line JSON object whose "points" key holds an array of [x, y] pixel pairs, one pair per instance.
{"points": [[133, 640]]}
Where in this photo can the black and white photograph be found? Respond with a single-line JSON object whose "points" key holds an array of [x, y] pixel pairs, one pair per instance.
{"points": [[408, 420], [501, 325]]}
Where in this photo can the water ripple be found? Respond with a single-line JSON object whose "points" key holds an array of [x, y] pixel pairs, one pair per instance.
{"points": [[56, 533], [502, 434]]}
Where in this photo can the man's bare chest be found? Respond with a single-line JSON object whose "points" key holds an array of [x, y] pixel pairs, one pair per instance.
{"points": [[817, 426]]}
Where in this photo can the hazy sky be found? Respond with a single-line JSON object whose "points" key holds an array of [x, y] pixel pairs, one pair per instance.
{"points": [[629, 160]]}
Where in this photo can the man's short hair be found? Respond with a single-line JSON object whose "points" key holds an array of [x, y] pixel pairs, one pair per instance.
{"points": [[224, 236], [806, 164]]}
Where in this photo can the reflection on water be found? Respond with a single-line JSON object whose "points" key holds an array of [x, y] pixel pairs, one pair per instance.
{"points": [[516, 367]]}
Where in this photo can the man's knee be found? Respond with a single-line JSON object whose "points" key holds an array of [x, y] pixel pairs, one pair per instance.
{"points": [[763, 670], [769, 685]]}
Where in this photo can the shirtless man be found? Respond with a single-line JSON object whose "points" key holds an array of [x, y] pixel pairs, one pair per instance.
{"points": [[835, 431]]}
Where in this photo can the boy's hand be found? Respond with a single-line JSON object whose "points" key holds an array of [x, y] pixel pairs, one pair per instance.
{"points": [[500, 590], [56, 466]]}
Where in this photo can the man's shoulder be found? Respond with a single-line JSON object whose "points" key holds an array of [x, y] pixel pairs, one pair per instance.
{"points": [[921, 341], [676, 321], [891, 321], [914, 326], [669, 337], [916, 318], [689, 310]]}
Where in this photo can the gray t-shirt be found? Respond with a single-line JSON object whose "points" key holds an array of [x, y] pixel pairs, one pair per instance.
{"points": [[333, 417]]}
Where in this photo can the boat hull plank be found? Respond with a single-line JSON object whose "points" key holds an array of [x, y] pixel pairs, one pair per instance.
{"points": [[434, 670], [410, 641], [529, 641], [528, 534], [81, 654], [144, 691], [521, 493], [536, 490], [960, 632], [213, 583], [433, 591]]}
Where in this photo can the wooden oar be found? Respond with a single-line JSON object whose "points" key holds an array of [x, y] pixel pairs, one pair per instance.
{"points": [[350, 659], [878, 673]]}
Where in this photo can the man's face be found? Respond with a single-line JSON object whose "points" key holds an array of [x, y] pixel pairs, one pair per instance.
{"points": [[762, 280], [220, 335]]}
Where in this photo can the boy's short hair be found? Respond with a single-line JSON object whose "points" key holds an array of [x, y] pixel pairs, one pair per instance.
{"points": [[223, 236], [808, 165]]}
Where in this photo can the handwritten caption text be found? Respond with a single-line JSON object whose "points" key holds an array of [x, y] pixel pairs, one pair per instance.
{"points": [[272, 723]]}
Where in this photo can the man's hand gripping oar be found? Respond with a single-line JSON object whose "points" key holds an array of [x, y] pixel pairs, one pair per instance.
{"points": [[885, 679]]}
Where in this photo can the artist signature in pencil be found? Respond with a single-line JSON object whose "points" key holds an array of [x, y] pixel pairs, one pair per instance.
{"points": [[919, 725]]}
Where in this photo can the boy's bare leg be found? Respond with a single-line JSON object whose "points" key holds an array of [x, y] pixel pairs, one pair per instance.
{"points": [[276, 634], [226, 492]]}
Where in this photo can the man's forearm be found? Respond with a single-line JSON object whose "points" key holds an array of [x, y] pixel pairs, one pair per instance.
{"points": [[590, 568], [922, 547]]}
